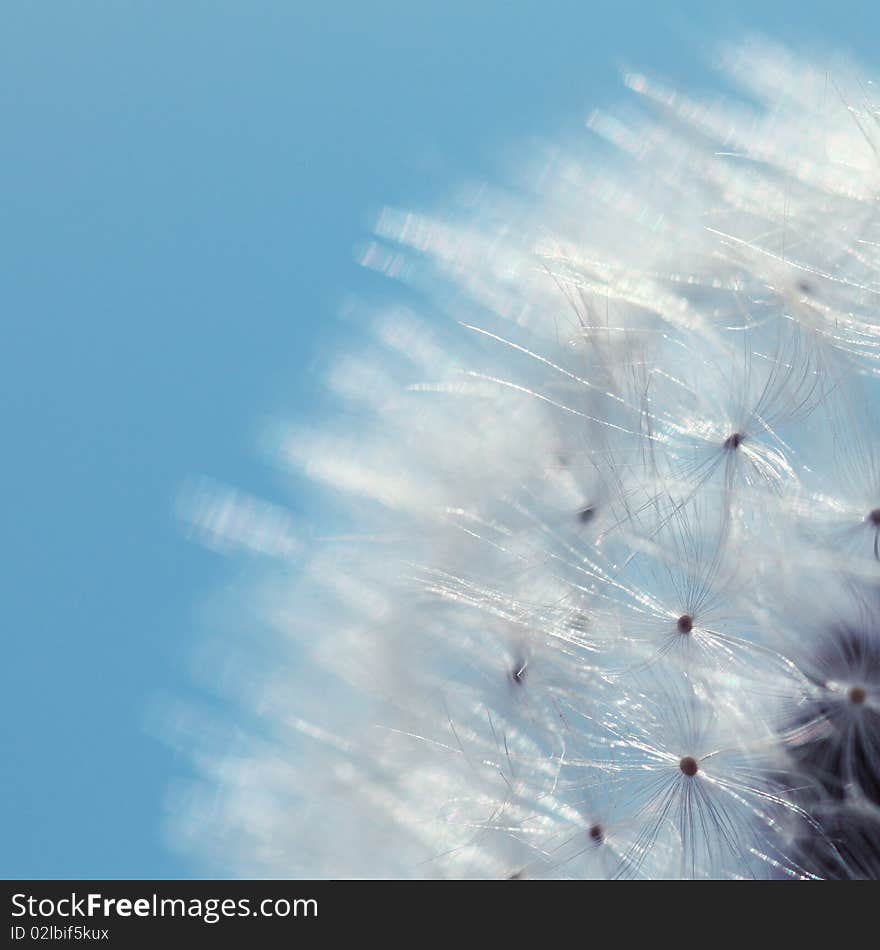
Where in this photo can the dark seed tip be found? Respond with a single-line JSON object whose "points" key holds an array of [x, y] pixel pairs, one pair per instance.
{"points": [[733, 441], [685, 623], [688, 766], [805, 287], [586, 515]]}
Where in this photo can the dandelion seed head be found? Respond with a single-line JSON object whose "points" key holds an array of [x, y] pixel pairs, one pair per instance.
{"points": [[595, 566]]}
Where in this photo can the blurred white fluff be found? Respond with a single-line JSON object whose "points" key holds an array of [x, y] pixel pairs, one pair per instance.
{"points": [[606, 600], [227, 519]]}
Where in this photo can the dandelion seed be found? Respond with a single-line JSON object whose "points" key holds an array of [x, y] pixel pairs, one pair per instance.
{"points": [[586, 515], [734, 441], [857, 695], [518, 673]]}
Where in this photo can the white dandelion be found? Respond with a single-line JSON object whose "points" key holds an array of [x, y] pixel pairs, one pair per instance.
{"points": [[592, 585]]}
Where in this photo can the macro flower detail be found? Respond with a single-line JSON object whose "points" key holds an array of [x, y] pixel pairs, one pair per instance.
{"points": [[596, 590]]}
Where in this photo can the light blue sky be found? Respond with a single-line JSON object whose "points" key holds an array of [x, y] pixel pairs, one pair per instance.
{"points": [[182, 185]]}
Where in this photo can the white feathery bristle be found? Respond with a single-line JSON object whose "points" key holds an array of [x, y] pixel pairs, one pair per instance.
{"points": [[593, 590]]}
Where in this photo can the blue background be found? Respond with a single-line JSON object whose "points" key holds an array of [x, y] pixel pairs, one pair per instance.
{"points": [[182, 185]]}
